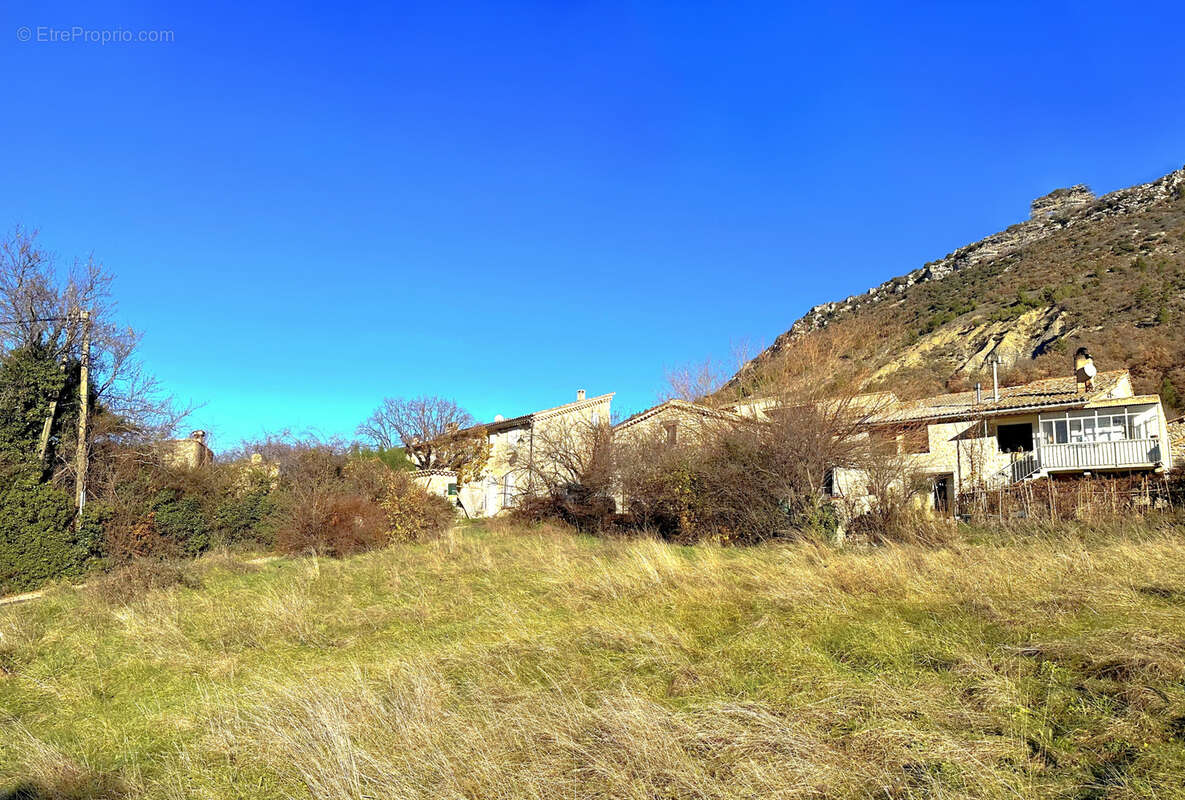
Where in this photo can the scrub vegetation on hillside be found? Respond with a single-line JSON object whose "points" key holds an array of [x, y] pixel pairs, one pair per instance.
{"points": [[1114, 283]]}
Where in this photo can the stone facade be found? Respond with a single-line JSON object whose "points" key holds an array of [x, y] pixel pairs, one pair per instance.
{"points": [[675, 421], [965, 452], [519, 450], [1177, 440], [190, 453]]}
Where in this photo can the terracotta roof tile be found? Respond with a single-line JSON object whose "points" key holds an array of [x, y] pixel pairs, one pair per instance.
{"points": [[681, 405], [1038, 394]]}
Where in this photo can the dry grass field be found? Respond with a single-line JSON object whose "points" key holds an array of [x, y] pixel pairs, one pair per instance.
{"points": [[504, 663]]}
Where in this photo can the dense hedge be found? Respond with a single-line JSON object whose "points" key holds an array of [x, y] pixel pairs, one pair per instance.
{"points": [[311, 498], [38, 541]]}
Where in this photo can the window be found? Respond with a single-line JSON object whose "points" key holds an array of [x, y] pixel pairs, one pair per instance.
{"points": [[1091, 426], [508, 490], [916, 440], [452, 490], [1017, 438], [1047, 431], [596, 418]]}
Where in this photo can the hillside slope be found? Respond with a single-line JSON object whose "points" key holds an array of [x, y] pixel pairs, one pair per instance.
{"points": [[1105, 272]]}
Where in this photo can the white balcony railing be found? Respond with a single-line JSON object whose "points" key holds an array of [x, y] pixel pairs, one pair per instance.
{"points": [[1099, 455]]}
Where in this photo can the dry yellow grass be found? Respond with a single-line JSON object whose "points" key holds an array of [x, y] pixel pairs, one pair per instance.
{"points": [[510, 663]]}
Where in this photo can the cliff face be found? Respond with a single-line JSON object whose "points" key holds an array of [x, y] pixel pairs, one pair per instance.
{"points": [[1077, 261]]}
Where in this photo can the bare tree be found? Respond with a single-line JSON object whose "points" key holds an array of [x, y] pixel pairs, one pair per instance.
{"points": [[704, 382], [567, 471], [566, 453], [40, 310], [436, 432], [693, 382], [767, 467]]}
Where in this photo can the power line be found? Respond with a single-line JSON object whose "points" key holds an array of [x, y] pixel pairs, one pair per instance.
{"points": [[37, 319]]}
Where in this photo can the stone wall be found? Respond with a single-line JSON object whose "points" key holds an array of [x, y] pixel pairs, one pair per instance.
{"points": [[1176, 430], [186, 453]]}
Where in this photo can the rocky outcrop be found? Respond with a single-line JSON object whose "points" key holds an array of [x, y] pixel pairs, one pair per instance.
{"points": [[1010, 341], [1056, 211], [1061, 201]]}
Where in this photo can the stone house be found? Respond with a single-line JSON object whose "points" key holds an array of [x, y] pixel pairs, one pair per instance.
{"points": [[672, 422], [860, 405], [520, 449], [190, 453], [1057, 426]]}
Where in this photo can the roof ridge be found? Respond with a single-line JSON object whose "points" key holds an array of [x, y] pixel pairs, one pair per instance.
{"points": [[675, 402]]}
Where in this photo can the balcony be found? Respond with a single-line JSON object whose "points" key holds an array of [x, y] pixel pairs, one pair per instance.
{"points": [[1118, 454]]}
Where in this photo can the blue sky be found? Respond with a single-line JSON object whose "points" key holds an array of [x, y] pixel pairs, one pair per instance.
{"points": [[311, 208]]}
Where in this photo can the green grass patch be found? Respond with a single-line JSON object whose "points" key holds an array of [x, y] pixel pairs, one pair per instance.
{"points": [[538, 663]]}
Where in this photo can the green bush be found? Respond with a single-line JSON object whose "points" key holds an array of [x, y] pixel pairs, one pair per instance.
{"points": [[38, 542], [247, 517], [181, 518], [1168, 393]]}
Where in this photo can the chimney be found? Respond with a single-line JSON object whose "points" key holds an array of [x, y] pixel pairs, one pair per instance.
{"points": [[579, 395], [198, 436], [978, 393], [996, 378]]}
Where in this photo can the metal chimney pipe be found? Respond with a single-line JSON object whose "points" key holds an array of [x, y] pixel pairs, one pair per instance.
{"points": [[978, 393], [996, 378]]}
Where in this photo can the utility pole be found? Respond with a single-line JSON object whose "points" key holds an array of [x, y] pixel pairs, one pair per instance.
{"points": [[83, 411]]}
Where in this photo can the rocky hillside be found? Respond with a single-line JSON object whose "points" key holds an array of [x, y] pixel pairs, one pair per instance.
{"points": [[1106, 272]]}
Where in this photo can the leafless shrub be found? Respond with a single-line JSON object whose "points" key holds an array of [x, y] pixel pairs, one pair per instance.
{"points": [[333, 524], [568, 471], [765, 466], [412, 514], [136, 578], [336, 505]]}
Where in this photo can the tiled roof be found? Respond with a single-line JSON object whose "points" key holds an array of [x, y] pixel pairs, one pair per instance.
{"points": [[681, 405], [525, 420], [1050, 392], [868, 403]]}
